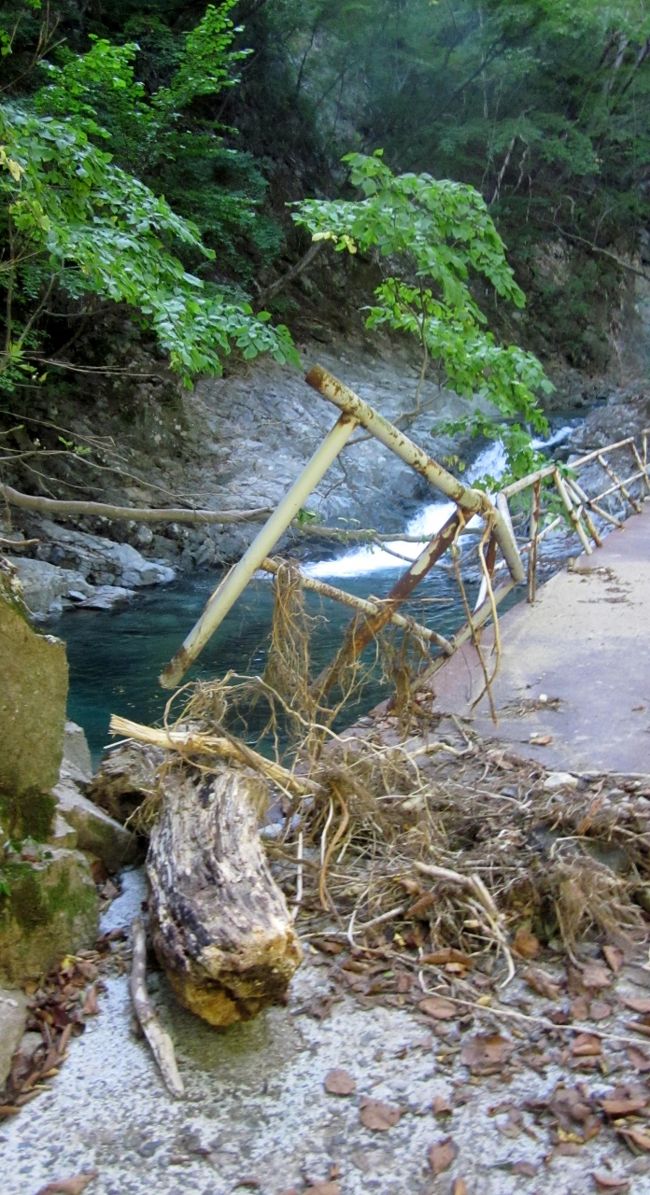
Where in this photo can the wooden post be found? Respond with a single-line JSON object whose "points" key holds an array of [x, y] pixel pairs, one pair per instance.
{"points": [[571, 511], [535, 512], [234, 583]]}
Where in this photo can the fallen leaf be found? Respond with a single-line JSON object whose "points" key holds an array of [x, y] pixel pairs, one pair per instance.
{"points": [[90, 1005], [600, 1010], [441, 1155], [329, 946], [525, 944], [441, 1106], [378, 1116], [636, 1137], [486, 1053], [438, 1008], [639, 1027], [439, 958], [459, 1187], [639, 1060], [614, 957], [610, 1182], [580, 1008], [69, 1186], [327, 1188], [422, 905], [570, 1107], [339, 1082], [525, 1169], [586, 1045], [622, 1106], [541, 983], [595, 976], [640, 1004]]}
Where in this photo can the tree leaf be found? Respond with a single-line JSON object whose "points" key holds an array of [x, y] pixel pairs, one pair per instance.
{"points": [[379, 1116], [438, 1008], [442, 1154], [339, 1082]]}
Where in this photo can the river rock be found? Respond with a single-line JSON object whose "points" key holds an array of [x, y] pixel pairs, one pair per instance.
{"points": [[50, 910], [13, 1019], [100, 560], [48, 589], [96, 832], [76, 763], [33, 698], [106, 597]]}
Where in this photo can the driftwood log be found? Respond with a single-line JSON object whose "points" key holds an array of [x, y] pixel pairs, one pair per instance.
{"points": [[219, 923]]}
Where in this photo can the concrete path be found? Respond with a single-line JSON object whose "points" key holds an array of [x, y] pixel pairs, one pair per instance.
{"points": [[573, 687]]}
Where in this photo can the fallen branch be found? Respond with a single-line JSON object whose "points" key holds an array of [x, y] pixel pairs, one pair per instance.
{"points": [[63, 508], [159, 1040], [193, 743]]}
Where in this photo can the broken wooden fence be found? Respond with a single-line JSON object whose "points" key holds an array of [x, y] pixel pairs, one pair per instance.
{"points": [[582, 511], [354, 413]]}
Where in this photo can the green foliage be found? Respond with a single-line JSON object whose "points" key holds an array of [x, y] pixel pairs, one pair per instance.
{"points": [[436, 236], [78, 223]]}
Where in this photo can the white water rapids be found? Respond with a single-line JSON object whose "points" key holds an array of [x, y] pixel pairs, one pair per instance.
{"points": [[428, 520]]}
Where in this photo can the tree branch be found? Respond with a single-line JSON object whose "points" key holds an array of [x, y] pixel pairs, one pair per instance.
{"points": [[70, 509]]}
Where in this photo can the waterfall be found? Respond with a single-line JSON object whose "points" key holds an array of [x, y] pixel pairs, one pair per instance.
{"points": [[426, 522]]}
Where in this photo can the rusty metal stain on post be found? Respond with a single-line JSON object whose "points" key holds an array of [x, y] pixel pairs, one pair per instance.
{"points": [[364, 628]]}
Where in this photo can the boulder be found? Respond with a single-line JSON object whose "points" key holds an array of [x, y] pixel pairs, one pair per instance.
{"points": [[105, 597], [50, 909], [99, 560], [13, 1018], [76, 763], [47, 589], [33, 697], [96, 832]]}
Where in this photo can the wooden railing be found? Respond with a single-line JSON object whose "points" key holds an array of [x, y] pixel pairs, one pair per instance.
{"points": [[506, 558]]}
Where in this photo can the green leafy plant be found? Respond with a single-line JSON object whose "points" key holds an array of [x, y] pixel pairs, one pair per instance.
{"points": [[435, 237], [75, 222]]}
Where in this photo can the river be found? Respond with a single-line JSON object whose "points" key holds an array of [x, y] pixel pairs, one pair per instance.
{"points": [[115, 656]]}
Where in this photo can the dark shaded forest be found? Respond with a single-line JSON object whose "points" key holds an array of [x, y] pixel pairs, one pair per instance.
{"points": [[170, 173]]}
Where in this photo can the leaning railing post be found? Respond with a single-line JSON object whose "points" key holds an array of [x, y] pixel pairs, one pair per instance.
{"points": [[234, 583]]}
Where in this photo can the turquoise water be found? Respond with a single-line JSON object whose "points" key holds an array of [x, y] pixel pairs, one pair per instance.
{"points": [[115, 656]]}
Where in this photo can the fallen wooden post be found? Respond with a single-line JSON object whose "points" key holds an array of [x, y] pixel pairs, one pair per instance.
{"points": [[220, 925]]}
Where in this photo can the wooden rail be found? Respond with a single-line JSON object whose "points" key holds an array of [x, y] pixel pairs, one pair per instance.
{"points": [[583, 513]]}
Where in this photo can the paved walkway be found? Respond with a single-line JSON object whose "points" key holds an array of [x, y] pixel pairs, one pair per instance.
{"points": [[573, 688]]}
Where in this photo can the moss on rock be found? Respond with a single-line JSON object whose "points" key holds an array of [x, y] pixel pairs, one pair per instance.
{"points": [[49, 908], [32, 708]]}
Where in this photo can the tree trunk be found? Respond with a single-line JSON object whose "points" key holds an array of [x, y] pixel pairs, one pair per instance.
{"points": [[219, 923]]}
